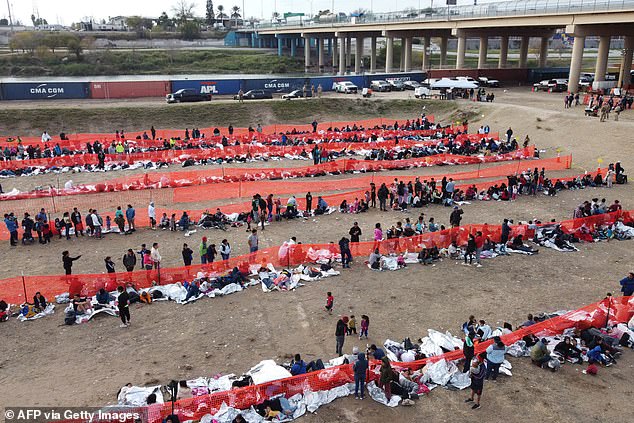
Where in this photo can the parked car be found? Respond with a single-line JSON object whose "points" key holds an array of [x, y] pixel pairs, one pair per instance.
{"points": [[297, 94], [422, 92], [380, 85], [468, 79], [486, 82], [346, 87], [396, 85], [554, 85], [186, 95], [255, 95], [411, 85], [585, 82]]}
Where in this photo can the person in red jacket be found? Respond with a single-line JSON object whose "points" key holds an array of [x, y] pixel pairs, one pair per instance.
{"points": [[479, 241]]}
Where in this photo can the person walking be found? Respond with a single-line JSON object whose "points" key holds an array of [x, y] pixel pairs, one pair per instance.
{"points": [[123, 303], [130, 214], [151, 213], [129, 260], [360, 368], [188, 255], [109, 265], [67, 261], [627, 285], [456, 216], [340, 335], [355, 233], [225, 249], [309, 202]]}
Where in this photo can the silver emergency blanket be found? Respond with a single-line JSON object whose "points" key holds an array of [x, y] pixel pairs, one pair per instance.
{"points": [[50, 309]]}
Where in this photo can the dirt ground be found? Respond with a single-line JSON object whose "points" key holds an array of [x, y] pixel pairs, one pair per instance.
{"points": [[231, 334]]}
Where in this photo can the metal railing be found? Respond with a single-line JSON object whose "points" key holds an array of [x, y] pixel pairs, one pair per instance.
{"points": [[486, 10]]}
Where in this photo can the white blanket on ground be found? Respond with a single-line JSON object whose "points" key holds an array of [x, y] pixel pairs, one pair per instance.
{"points": [[83, 318], [50, 309]]}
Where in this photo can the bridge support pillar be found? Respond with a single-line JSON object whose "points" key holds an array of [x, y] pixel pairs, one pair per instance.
{"points": [[443, 52], [373, 55], [358, 55], [575, 63], [329, 46], [602, 58], [625, 78], [524, 52], [342, 56], [504, 51], [280, 46], [389, 53], [320, 54], [543, 52], [402, 62], [484, 46], [407, 54], [460, 54], [306, 54], [335, 54], [293, 47], [348, 53], [426, 61]]}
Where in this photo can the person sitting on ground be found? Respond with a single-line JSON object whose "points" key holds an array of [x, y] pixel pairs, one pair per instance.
{"points": [[39, 302], [568, 350], [375, 352], [453, 251], [322, 206], [375, 259], [529, 322], [424, 257], [343, 207], [81, 305], [103, 297], [165, 222], [539, 353], [184, 222], [518, 244], [298, 367], [192, 290]]}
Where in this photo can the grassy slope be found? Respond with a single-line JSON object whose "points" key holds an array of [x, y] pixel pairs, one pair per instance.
{"points": [[31, 121], [149, 62]]}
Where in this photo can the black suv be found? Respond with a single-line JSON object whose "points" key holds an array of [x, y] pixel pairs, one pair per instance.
{"points": [[185, 95], [255, 95]]}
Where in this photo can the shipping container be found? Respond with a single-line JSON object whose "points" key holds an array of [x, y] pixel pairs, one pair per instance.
{"points": [[129, 89], [275, 85], [44, 90], [208, 86]]}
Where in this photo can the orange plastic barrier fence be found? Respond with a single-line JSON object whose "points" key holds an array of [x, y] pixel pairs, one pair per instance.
{"points": [[218, 152], [79, 140], [207, 176], [16, 289], [609, 310]]}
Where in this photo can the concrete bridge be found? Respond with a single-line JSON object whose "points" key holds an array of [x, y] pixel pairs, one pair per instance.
{"points": [[517, 19]]}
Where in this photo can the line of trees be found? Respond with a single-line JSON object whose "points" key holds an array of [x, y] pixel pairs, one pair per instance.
{"points": [[32, 41]]}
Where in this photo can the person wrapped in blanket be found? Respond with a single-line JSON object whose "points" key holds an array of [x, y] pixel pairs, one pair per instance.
{"points": [[234, 276], [568, 350], [274, 281], [276, 408]]}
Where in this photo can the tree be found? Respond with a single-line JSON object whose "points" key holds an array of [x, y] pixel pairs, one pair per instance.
{"points": [[53, 41], [139, 24], [74, 45], [210, 17], [183, 10], [190, 31], [164, 22], [221, 12], [4, 22], [235, 14], [38, 21], [25, 41]]}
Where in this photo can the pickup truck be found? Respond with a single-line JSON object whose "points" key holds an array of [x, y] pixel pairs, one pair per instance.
{"points": [[346, 87], [380, 85], [186, 95], [487, 82]]}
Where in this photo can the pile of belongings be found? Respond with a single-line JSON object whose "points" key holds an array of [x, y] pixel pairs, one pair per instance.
{"points": [[289, 279]]}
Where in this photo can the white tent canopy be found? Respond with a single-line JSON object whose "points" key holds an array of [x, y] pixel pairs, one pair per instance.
{"points": [[453, 83]]}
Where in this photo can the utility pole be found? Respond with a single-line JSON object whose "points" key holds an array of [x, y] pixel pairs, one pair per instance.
{"points": [[10, 19]]}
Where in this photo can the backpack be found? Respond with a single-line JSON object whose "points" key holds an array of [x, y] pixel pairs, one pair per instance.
{"points": [[157, 294], [69, 319]]}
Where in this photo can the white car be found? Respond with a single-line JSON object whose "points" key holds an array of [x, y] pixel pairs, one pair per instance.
{"points": [[346, 87], [380, 85], [487, 82], [422, 92], [468, 79]]}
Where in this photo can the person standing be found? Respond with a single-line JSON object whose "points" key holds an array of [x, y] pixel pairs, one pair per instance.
{"points": [[123, 303], [155, 255], [360, 367], [476, 374], [468, 350], [372, 195], [130, 214], [129, 260], [188, 255], [309, 202], [75, 217], [253, 241], [202, 250], [67, 261], [479, 244], [383, 193], [153, 131], [495, 358], [506, 232], [378, 236], [509, 134], [627, 284], [151, 213], [355, 233], [109, 264], [340, 335], [96, 223], [455, 217], [346, 255], [225, 249], [12, 227]]}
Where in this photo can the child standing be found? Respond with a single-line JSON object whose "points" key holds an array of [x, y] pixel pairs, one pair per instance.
{"points": [[330, 302], [365, 324], [352, 325], [476, 374]]}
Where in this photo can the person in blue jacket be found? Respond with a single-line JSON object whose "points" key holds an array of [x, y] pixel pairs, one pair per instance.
{"points": [[12, 227], [627, 284], [360, 368], [495, 358], [298, 367]]}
